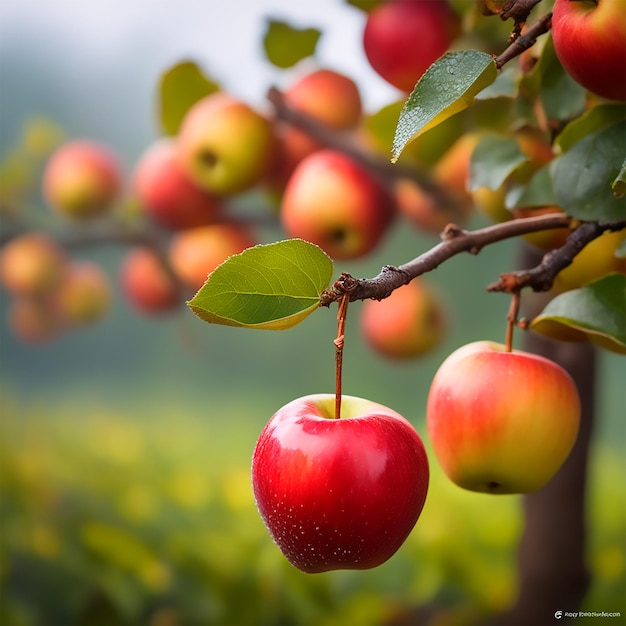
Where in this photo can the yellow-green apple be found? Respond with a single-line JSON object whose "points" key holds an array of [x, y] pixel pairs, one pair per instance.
{"points": [[167, 194], [32, 264], [408, 323], [327, 96], [590, 41], [82, 179], [147, 284], [194, 253], [339, 493], [84, 294], [33, 320], [422, 209], [402, 38], [224, 145], [334, 202], [501, 422], [593, 262], [492, 203]]}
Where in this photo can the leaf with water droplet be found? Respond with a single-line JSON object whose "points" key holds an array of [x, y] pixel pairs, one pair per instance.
{"points": [[448, 86]]}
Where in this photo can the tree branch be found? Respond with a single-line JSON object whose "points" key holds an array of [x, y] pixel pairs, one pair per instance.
{"points": [[456, 240], [521, 43]]}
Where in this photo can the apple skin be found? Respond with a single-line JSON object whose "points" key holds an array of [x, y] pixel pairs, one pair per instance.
{"points": [[224, 145], [194, 253], [32, 264], [402, 38], [84, 295], [590, 42], [329, 97], [332, 201], [501, 422], [33, 320], [407, 324], [146, 284], [595, 260], [167, 194], [82, 179], [339, 493]]}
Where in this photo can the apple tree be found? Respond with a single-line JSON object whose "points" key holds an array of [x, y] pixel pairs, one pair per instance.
{"points": [[509, 114]]}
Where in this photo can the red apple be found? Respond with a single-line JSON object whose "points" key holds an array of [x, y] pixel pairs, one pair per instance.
{"points": [[167, 194], [194, 253], [33, 320], [82, 179], [31, 264], [590, 41], [402, 38], [327, 96], [84, 295], [408, 323], [501, 422], [339, 493], [146, 283], [334, 202], [224, 145]]}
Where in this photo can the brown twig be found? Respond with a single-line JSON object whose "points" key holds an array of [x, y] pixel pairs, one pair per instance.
{"points": [[454, 241], [522, 42], [342, 313]]}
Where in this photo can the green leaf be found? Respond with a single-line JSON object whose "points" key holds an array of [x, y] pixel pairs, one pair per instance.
{"points": [[594, 119], [583, 176], [504, 86], [365, 5], [179, 88], [538, 191], [619, 184], [448, 86], [493, 160], [285, 45], [596, 311], [271, 287]]}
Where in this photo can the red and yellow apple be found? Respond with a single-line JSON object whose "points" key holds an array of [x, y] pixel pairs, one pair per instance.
{"points": [[32, 264], [501, 422], [82, 179], [408, 323], [194, 253], [334, 202], [402, 38], [167, 194], [590, 41], [84, 295], [146, 283], [339, 493], [224, 145], [327, 96]]}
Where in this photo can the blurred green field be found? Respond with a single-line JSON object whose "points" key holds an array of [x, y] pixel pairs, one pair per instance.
{"points": [[113, 519]]}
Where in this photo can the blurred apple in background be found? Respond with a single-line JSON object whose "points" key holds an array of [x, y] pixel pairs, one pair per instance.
{"points": [[501, 422], [402, 38], [167, 194], [146, 283], [32, 264], [590, 41], [33, 320], [224, 145], [334, 202], [194, 253], [544, 239], [593, 262], [82, 179], [407, 324], [339, 493], [84, 295]]}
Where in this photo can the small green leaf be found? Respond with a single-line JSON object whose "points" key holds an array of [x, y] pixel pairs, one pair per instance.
{"points": [[365, 5], [583, 177], [594, 119], [179, 88], [596, 311], [448, 86], [285, 45], [538, 191], [619, 184], [493, 160], [271, 287], [504, 86]]}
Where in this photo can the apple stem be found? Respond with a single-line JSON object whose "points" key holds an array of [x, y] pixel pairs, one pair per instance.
{"points": [[339, 341], [512, 320]]}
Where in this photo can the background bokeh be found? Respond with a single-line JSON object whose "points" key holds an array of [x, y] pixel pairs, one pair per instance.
{"points": [[124, 448]]}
